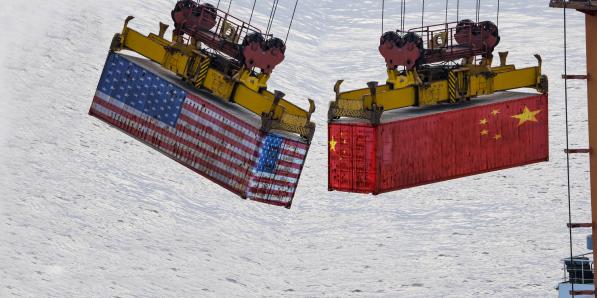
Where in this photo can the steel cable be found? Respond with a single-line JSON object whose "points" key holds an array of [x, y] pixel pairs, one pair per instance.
{"points": [[497, 19], [458, 11], [402, 14], [447, 3], [567, 140], [229, 5], [478, 10], [422, 18], [272, 16], [251, 17], [291, 19], [383, 4]]}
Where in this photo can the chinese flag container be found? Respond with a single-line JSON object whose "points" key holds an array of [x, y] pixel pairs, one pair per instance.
{"points": [[415, 146], [218, 140]]}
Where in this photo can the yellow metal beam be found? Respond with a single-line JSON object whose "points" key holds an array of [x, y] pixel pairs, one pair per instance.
{"points": [[405, 90], [244, 88]]}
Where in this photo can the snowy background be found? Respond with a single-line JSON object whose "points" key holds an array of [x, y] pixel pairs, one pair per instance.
{"points": [[86, 211]]}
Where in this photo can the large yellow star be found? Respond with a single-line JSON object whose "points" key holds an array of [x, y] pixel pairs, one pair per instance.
{"points": [[333, 144], [526, 115]]}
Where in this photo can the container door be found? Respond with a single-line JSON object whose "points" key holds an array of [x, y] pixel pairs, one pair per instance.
{"points": [[351, 158], [363, 144]]}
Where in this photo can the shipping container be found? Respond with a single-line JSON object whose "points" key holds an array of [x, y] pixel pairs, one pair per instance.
{"points": [[219, 140], [420, 145]]}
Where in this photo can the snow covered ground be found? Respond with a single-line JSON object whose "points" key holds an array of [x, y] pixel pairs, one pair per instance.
{"points": [[85, 211]]}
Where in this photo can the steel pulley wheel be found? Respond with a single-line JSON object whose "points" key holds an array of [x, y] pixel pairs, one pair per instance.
{"points": [[253, 37], [275, 43], [390, 36], [465, 25], [180, 5], [491, 28], [412, 37], [209, 8]]}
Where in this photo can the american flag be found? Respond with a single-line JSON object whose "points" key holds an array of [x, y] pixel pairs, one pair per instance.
{"points": [[199, 134]]}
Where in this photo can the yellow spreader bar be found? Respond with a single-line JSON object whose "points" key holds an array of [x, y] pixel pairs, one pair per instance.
{"points": [[407, 90], [244, 88]]}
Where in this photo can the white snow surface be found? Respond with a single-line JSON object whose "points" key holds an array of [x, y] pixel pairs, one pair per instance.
{"points": [[86, 211]]}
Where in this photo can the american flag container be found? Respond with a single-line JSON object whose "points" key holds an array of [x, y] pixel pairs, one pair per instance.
{"points": [[218, 140]]}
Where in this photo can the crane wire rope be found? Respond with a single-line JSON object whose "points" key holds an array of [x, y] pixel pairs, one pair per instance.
{"points": [[272, 16], [291, 19], [446, 20], [497, 18], [422, 18], [478, 10], [251, 17], [458, 11], [402, 15], [229, 5], [567, 140], [383, 6]]}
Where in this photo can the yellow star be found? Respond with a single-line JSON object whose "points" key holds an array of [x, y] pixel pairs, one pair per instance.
{"points": [[497, 136], [333, 144], [483, 121], [526, 115], [484, 132], [495, 112], [344, 142]]}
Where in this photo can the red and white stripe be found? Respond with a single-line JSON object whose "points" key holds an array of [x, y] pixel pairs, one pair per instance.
{"points": [[213, 143], [280, 186]]}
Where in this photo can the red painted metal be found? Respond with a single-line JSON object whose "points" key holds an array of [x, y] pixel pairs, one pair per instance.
{"points": [[352, 159], [263, 54], [223, 32], [404, 51], [194, 17], [438, 43], [417, 146]]}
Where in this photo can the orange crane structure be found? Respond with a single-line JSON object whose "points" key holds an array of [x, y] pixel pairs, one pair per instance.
{"points": [[589, 8]]}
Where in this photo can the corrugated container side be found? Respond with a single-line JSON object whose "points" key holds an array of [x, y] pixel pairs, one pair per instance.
{"points": [[425, 147], [136, 96], [352, 161], [455, 143]]}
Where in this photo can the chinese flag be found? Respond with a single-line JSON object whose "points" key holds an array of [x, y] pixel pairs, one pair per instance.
{"points": [[426, 145]]}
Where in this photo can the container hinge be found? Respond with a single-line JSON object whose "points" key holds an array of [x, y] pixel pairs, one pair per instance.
{"points": [[579, 225]]}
